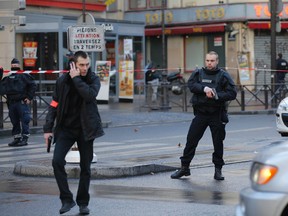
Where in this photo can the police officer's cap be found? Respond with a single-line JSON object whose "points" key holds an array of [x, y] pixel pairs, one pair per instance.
{"points": [[15, 61]]}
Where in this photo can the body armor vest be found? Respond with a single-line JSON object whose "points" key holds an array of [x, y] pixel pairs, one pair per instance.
{"points": [[212, 81]]}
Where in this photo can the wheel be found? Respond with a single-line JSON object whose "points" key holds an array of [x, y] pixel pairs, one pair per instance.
{"points": [[177, 86]]}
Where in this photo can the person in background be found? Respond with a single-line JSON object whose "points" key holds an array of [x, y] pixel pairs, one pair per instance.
{"points": [[212, 88], [282, 69], [74, 107], [19, 89]]}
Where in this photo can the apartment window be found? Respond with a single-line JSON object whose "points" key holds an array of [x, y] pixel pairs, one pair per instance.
{"points": [[112, 7], [137, 4], [155, 3]]}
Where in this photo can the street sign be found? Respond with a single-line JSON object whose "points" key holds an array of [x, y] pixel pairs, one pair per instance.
{"points": [[86, 38], [279, 6]]}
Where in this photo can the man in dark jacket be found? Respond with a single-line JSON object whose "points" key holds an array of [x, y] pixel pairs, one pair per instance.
{"points": [[212, 88], [20, 89], [281, 70], [281, 67], [74, 107]]}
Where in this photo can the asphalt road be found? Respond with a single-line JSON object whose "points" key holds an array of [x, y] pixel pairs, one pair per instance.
{"points": [[152, 194]]}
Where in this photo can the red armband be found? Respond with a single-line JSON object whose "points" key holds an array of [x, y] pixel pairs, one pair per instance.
{"points": [[54, 103]]}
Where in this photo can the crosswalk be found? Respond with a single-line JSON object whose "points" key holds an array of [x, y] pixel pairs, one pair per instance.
{"points": [[11, 155], [119, 153]]}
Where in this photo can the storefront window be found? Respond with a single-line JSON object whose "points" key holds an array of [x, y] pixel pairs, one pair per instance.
{"points": [[130, 50], [194, 52], [46, 57]]}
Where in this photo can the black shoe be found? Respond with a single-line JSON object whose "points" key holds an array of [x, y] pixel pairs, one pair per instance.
{"points": [[23, 141], [218, 174], [84, 210], [66, 206], [15, 142], [184, 171]]}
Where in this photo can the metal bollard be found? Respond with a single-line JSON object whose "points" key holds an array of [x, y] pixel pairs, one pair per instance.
{"points": [[34, 107], [1, 114], [242, 99], [266, 96]]}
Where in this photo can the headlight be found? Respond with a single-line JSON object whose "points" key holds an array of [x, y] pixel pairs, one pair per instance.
{"points": [[262, 173]]}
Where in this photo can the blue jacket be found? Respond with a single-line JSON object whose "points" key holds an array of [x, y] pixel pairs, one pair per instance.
{"points": [[17, 87]]}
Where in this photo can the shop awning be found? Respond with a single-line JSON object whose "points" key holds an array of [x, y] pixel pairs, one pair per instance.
{"points": [[77, 5], [265, 25], [178, 30]]}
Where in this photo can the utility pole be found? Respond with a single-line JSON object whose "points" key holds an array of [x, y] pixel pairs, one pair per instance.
{"points": [[84, 11], [164, 84], [276, 6]]}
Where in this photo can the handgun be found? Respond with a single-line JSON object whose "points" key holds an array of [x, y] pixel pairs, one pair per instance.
{"points": [[49, 143], [215, 94]]}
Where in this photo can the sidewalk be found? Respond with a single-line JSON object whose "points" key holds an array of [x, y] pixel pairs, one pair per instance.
{"points": [[120, 115]]}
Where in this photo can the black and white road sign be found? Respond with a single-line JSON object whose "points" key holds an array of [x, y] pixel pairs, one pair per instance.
{"points": [[86, 38]]}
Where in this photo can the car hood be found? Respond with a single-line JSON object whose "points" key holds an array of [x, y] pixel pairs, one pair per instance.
{"points": [[273, 153]]}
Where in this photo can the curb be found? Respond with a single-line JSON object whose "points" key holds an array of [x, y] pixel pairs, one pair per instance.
{"points": [[39, 129], [42, 169]]}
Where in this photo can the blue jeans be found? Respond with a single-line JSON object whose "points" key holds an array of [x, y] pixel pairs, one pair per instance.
{"points": [[64, 141], [19, 114]]}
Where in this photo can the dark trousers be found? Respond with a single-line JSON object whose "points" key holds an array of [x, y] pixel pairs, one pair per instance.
{"points": [[195, 133], [19, 114], [65, 140]]}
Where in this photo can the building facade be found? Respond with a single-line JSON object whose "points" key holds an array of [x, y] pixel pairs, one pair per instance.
{"points": [[42, 43], [238, 30]]}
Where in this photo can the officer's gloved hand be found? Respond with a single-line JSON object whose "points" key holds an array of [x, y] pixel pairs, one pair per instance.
{"points": [[209, 92]]}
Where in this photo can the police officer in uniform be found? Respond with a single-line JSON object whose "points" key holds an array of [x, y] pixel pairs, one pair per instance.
{"points": [[20, 90], [212, 87], [282, 69]]}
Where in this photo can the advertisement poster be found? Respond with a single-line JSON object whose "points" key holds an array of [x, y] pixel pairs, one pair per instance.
{"points": [[30, 53], [103, 69], [244, 73], [128, 49], [126, 79]]}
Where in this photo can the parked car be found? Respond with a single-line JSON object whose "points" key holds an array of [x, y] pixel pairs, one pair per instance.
{"points": [[268, 193], [282, 117]]}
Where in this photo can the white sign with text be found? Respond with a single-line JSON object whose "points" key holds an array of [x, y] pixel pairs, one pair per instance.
{"points": [[86, 38]]}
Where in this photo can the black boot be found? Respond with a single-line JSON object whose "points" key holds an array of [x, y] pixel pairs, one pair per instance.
{"points": [[218, 174], [23, 141], [15, 142], [184, 171]]}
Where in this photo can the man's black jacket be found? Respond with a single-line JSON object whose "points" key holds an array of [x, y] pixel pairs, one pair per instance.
{"points": [[89, 114]]}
